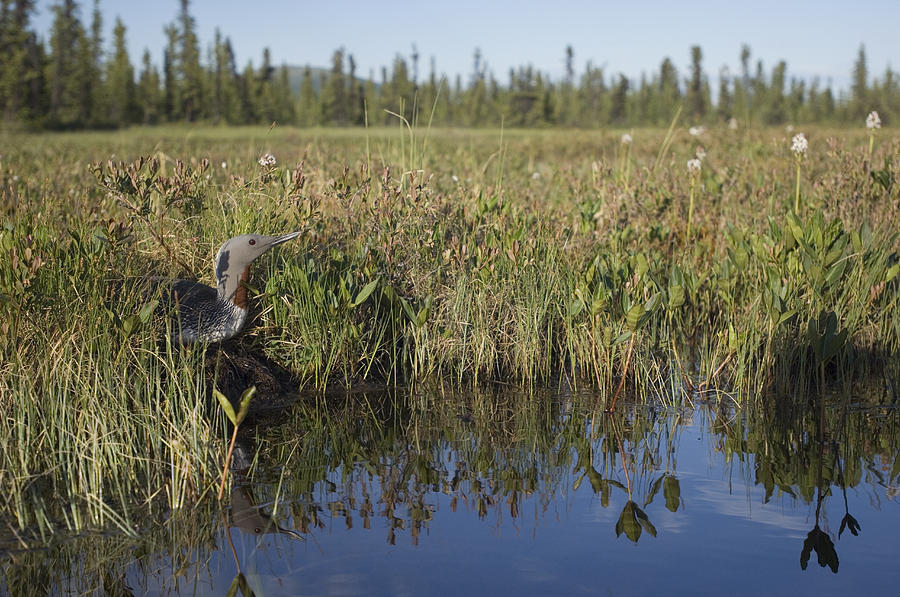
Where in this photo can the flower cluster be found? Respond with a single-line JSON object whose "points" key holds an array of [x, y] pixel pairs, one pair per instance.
{"points": [[693, 166], [626, 139], [267, 160], [873, 121], [799, 144], [696, 131]]}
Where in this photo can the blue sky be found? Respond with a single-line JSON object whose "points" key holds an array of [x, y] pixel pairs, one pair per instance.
{"points": [[629, 36]]}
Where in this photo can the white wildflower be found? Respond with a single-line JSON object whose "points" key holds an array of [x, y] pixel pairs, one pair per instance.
{"points": [[626, 139], [873, 121], [733, 123], [696, 131], [16, 178], [224, 165], [535, 176], [267, 160], [789, 128], [693, 166], [701, 154], [799, 144], [454, 178]]}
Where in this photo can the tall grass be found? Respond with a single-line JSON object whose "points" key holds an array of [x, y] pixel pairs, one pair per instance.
{"points": [[519, 258]]}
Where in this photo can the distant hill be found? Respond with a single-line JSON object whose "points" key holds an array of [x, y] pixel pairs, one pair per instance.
{"points": [[295, 76]]}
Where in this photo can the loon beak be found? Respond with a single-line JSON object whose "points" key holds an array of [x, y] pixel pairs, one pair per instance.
{"points": [[277, 240]]}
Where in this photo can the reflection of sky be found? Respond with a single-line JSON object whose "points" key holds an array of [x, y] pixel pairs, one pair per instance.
{"points": [[722, 540]]}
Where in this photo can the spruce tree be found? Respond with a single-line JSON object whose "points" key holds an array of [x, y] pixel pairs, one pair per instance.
{"points": [[263, 100], [592, 94], [776, 105], [371, 102], [246, 85], [334, 92], [354, 94], [725, 105], [859, 102], [190, 98], [669, 93], [283, 96], [307, 102], [21, 79], [231, 82], [62, 72], [618, 109], [120, 81], [170, 77], [149, 95], [698, 92], [94, 92]]}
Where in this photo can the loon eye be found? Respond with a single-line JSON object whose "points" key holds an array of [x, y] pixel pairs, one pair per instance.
{"points": [[252, 241]]}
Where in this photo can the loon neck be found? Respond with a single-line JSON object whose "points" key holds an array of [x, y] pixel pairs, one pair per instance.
{"points": [[234, 291], [240, 296]]}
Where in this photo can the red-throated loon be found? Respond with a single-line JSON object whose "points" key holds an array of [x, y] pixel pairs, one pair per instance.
{"points": [[206, 314]]}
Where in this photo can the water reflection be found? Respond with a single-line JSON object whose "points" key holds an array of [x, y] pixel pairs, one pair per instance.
{"points": [[531, 493]]}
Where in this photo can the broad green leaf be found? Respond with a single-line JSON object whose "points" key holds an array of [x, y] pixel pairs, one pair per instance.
{"points": [[407, 308], [892, 273], [129, 324], [628, 522], [785, 316], [834, 274], [147, 310], [676, 296], [363, 294], [641, 265], [235, 586], [672, 492], [575, 307], [652, 303], [837, 249], [246, 397], [654, 489], [644, 521], [226, 405], [634, 315], [623, 337]]}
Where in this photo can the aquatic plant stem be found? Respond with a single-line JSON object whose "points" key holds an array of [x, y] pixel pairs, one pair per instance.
{"points": [[227, 462], [624, 374]]}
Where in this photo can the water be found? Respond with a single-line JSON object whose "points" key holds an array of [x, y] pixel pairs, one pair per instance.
{"points": [[529, 496]]}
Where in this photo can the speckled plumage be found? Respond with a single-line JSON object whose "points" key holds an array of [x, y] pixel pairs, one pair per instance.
{"points": [[202, 315], [206, 314]]}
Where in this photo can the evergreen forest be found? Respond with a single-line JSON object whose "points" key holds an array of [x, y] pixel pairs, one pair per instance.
{"points": [[77, 79]]}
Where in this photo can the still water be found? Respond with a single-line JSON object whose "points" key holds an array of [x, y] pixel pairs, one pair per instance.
{"points": [[494, 495]]}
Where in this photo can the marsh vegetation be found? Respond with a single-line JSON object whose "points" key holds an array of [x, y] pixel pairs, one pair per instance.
{"points": [[757, 282]]}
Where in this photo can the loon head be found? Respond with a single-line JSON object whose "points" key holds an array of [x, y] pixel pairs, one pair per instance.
{"points": [[233, 263]]}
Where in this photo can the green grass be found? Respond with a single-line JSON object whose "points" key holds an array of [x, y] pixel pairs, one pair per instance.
{"points": [[464, 258]]}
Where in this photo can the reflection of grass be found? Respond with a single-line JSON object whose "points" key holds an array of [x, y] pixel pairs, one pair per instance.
{"points": [[453, 264], [108, 563], [386, 462]]}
